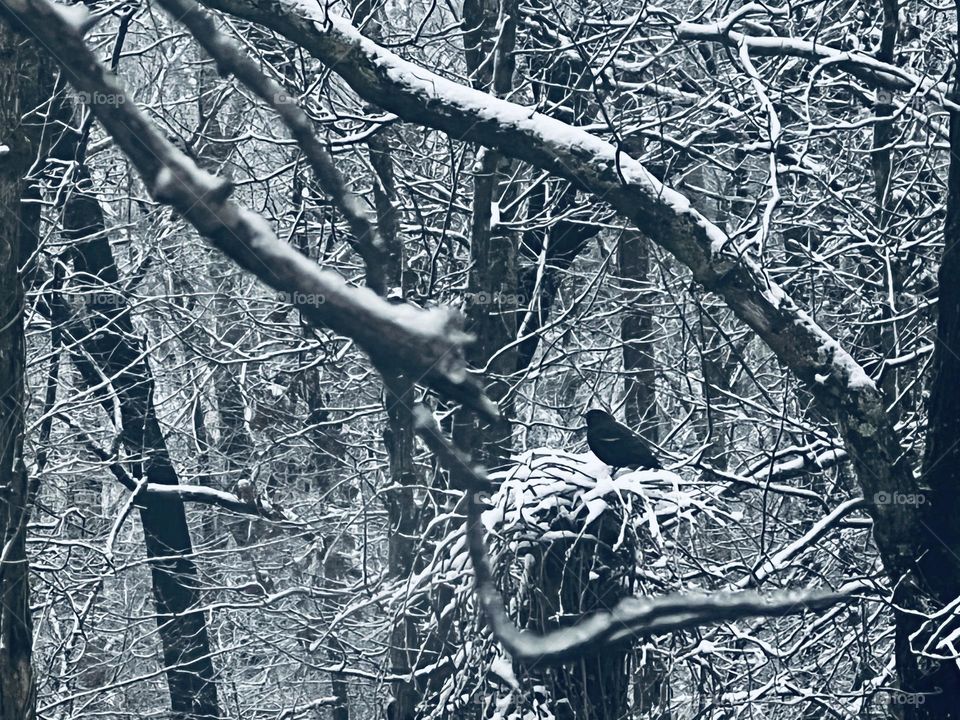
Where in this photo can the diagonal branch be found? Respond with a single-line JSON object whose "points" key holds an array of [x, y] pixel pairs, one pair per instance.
{"points": [[427, 344], [632, 617], [231, 59]]}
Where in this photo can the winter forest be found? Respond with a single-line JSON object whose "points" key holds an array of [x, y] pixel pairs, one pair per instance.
{"points": [[481, 359]]}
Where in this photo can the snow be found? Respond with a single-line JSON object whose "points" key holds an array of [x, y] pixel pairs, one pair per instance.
{"points": [[705, 648], [502, 668], [76, 16], [593, 154], [180, 174], [165, 184], [805, 48], [547, 481], [849, 369], [4, 150]]}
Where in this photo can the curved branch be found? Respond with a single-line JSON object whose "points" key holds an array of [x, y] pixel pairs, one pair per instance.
{"points": [[867, 68], [632, 617]]}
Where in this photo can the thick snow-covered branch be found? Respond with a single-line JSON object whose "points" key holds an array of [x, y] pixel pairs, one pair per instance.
{"points": [[667, 217], [428, 344], [418, 95]]}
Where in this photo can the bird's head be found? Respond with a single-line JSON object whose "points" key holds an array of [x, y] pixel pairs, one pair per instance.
{"points": [[594, 417]]}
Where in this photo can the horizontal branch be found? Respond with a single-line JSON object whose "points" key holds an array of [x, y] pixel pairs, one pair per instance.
{"points": [[769, 478], [863, 66], [257, 506]]}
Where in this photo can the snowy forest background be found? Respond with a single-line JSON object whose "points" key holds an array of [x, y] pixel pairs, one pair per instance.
{"points": [[233, 485]]}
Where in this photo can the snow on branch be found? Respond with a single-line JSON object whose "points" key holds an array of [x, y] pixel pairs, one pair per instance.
{"points": [[428, 344], [593, 164], [632, 617], [864, 66], [231, 59], [256, 506]]}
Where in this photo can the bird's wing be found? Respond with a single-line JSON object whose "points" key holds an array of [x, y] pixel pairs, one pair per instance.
{"points": [[640, 449], [610, 435]]}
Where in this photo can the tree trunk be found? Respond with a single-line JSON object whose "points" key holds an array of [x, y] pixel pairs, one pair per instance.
{"points": [[930, 689], [651, 688], [636, 332], [17, 692], [489, 37], [399, 437], [115, 349]]}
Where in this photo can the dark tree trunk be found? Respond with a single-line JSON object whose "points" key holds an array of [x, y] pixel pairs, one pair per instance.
{"points": [[636, 333], [556, 249], [116, 351], [491, 286], [549, 251], [399, 397], [405, 644], [931, 689], [399, 438], [17, 692], [651, 688]]}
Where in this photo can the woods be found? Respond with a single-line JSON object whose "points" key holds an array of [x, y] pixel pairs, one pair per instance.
{"points": [[304, 305]]}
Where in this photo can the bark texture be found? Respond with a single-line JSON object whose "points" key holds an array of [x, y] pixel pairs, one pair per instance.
{"points": [[932, 688]]}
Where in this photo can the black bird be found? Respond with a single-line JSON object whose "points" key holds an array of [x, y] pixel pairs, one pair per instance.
{"points": [[616, 444]]}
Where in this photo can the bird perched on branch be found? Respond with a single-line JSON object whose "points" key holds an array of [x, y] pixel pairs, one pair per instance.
{"points": [[616, 444]]}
